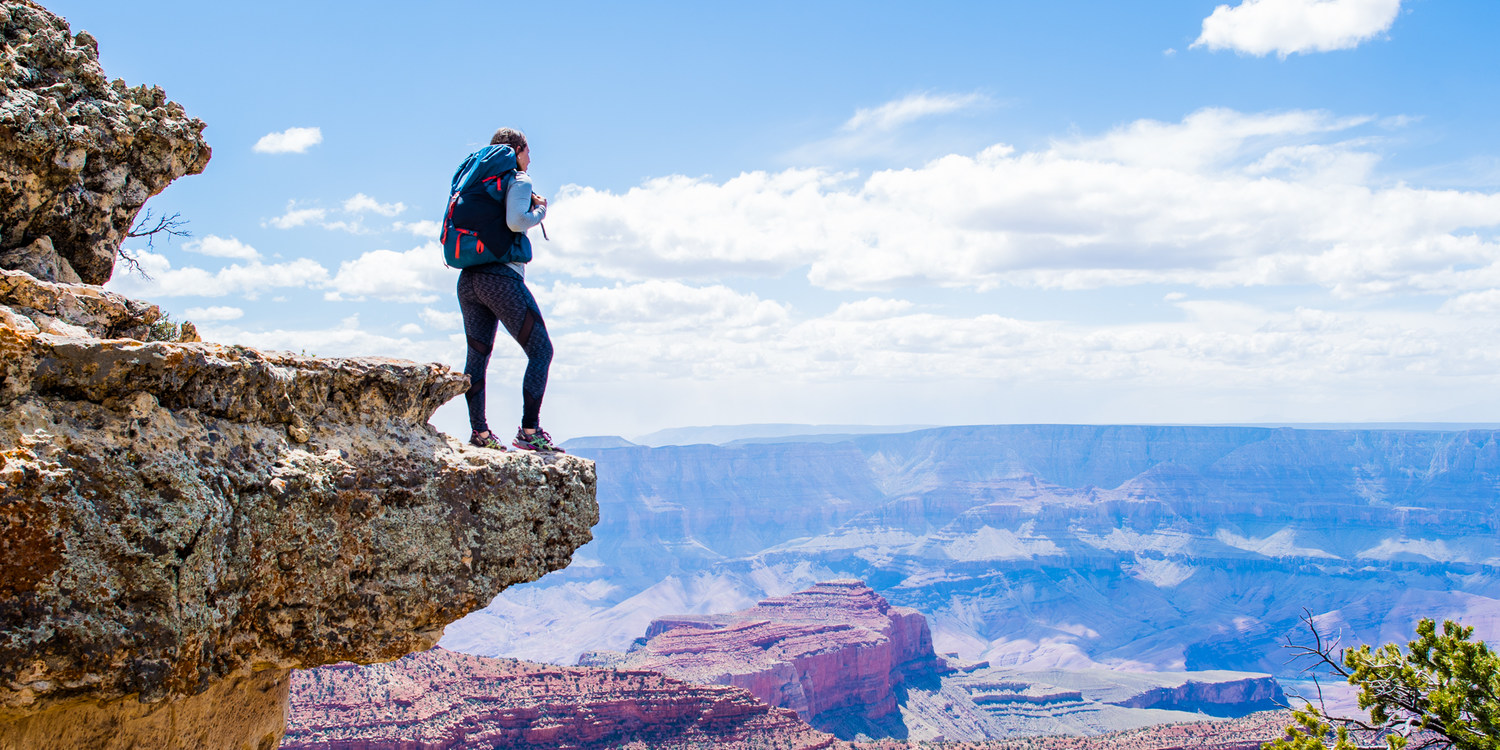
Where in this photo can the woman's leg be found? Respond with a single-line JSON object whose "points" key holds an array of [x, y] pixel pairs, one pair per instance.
{"points": [[538, 346], [480, 324], [508, 299]]}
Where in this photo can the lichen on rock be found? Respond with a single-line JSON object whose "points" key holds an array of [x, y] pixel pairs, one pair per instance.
{"points": [[79, 154]]}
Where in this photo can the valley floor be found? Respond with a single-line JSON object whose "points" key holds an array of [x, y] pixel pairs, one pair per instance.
{"points": [[1245, 733]]}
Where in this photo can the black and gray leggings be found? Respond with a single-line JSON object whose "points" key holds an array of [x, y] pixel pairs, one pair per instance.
{"points": [[487, 299]]}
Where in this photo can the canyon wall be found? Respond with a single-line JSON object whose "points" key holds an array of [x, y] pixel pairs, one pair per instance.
{"points": [[439, 699], [838, 654]]}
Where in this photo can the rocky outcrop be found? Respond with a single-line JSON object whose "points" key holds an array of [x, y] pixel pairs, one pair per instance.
{"points": [[838, 654], [441, 699], [79, 154], [183, 523]]}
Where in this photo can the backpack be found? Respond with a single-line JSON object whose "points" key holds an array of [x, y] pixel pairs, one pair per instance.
{"points": [[474, 228]]}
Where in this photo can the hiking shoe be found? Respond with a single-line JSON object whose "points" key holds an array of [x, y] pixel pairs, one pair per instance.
{"points": [[488, 441], [538, 441]]}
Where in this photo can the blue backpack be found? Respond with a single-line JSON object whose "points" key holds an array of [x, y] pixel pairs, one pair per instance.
{"points": [[474, 227]]}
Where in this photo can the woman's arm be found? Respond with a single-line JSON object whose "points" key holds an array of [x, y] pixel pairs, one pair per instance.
{"points": [[520, 214]]}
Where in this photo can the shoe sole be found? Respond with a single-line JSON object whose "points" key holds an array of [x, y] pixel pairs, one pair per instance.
{"points": [[534, 449]]}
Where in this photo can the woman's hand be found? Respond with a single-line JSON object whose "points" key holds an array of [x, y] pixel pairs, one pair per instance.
{"points": [[537, 200]]}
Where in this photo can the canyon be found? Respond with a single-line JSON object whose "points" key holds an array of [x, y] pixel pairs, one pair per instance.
{"points": [[1042, 547]]}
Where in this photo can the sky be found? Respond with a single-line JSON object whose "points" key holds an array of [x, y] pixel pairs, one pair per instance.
{"points": [[860, 213]]}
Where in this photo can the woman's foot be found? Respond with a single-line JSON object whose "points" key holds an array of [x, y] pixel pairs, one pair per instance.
{"points": [[486, 439], [536, 440]]}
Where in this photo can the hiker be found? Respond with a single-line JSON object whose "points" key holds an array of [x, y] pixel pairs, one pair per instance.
{"points": [[492, 289]]}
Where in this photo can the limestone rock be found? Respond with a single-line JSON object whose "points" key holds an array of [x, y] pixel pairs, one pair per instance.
{"points": [[79, 154], [175, 517], [40, 260], [443, 699], [75, 309]]}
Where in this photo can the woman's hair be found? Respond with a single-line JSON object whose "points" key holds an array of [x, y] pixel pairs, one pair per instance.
{"points": [[510, 137]]}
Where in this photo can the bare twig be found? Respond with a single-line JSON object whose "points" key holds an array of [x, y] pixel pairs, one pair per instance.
{"points": [[171, 226]]}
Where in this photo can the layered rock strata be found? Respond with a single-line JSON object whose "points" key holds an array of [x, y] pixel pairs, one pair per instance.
{"points": [[441, 699], [180, 518], [838, 654], [79, 154]]}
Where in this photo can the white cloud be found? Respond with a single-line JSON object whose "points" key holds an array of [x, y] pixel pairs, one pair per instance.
{"points": [[1260, 27], [249, 279], [289, 141], [874, 308], [1219, 199], [345, 339], [661, 306], [352, 227], [220, 247], [410, 329], [296, 217], [427, 229], [894, 114], [417, 275], [198, 314], [360, 203], [443, 320]]}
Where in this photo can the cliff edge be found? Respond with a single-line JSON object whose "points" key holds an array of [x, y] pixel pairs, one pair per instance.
{"points": [[181, 523], [184, 523]]}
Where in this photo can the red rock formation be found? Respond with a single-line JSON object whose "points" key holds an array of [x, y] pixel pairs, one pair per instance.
{"points": [[441, 699], [837, 654]]}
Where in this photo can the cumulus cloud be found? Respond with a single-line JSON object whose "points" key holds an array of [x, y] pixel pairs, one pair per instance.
{"points": [[200, 314], [289, 141], [1219, 199], [221, 247], [894, 114], [662, 306], [296, 217], [874, 308], [347, 338], [417, 275], [353, 210], [1260, 27], [1212, 347], [361, 203], [443, 320], [425, 228], [246, 279]]}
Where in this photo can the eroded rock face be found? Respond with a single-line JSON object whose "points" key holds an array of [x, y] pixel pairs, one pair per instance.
{"points": [[837, 654], [79, 154], [441, 699], [175, 515]]}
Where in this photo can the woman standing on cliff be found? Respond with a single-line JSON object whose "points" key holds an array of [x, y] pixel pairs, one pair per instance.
{"points": [[495, 293]]}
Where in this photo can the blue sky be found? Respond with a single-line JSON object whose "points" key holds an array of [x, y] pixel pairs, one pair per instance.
{"points": [[1271, 210]]}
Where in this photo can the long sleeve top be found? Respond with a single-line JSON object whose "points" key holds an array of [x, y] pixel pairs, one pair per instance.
{"points": [[519, 214]]}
